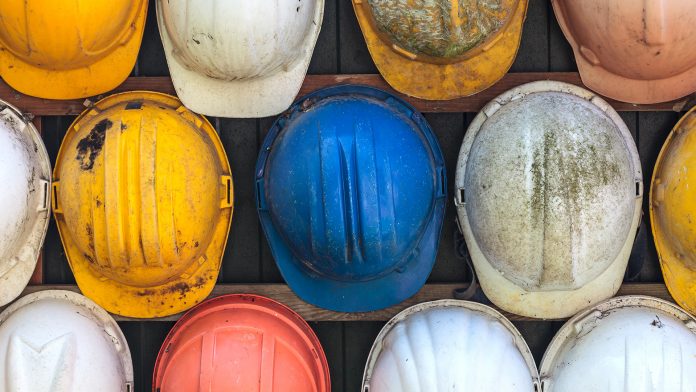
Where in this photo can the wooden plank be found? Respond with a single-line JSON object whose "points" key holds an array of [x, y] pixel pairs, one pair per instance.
{"points": [[55, 265], [353, 55], [151, 60], [533, 53], [44, 107], [561, 57], [429, 292], [449, 129], [325, 55], [241, 260], [269, 269]]}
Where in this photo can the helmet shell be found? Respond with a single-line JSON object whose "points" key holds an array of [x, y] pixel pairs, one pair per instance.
{"points": [[441, 49], [647, 58], [548, 194], [351, 189], [441, 30], [241, 343], [449, 345], [57, 340], [25, 172], [672, 208], [238, 58], [143, 203], [62, 50], [631, 343]]}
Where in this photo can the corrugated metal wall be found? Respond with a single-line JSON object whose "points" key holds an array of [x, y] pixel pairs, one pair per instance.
{"points": [[341, 50]]}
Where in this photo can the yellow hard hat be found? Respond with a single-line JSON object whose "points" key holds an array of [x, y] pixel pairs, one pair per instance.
{"points": [[69, 49], [673, 211], [441, 49], [142, 196]]}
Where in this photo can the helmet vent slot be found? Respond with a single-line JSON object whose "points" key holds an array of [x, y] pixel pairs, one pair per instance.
{"points": [[639, 189], [134, 105], [55, 198], [229, 190], [46, 194]]}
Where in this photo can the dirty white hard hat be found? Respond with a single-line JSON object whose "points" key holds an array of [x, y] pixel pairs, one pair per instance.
{"points": [[238, 58], [25, 176], [57, 340], [548, 195], [631, 343], [449, 345]]}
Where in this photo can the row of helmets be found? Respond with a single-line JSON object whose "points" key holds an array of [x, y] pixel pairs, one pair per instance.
{"points": [[350, 191], [57, 340], [249, 59]]}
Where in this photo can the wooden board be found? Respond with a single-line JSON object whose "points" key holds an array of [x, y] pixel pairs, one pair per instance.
{"points": [[474, 103], [429, 292]]}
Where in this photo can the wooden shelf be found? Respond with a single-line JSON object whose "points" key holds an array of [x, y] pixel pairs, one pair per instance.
{"points": [[283, 294], [45, 107]]}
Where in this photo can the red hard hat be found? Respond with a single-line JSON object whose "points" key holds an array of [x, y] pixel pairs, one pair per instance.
{"points": [[241, 343]]}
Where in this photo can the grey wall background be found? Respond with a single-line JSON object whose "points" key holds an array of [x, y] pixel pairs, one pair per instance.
{"points": [[341, 50]]}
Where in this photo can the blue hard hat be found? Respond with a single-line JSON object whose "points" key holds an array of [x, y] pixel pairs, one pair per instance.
{"points": [[351, 191]]}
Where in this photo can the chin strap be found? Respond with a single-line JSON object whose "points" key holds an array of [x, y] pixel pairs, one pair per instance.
{"points": [[638, 253], [462, 253]]}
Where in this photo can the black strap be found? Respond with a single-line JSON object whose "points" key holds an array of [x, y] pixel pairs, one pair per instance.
{"points": [[638, 254], [462, 253]]}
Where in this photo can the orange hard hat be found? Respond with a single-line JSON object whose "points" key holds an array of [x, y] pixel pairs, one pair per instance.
{"points": [[635, 51], [241, 342]]}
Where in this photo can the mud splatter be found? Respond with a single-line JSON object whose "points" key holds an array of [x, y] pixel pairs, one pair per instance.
{"points": [[88, 149]]}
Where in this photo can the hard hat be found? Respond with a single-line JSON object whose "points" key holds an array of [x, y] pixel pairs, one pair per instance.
{"points": [[241, 342], [69, 49], [632, 50], [238, 58], [25, 175], [142, 196], [350, 188], [449, 345], [549, 191], [631, 343], [57, 340], [672, 208], [441, 49]]}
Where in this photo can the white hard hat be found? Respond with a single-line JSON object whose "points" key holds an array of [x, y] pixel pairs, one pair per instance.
{"points": [[60, 341], [25, 175], [449, 345], [238, 58], [548, 196], [631, 343]]}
